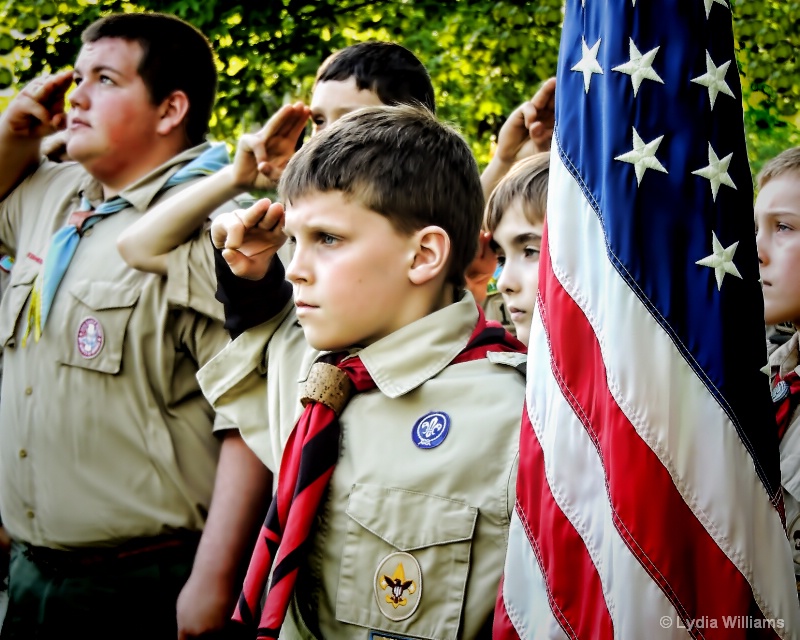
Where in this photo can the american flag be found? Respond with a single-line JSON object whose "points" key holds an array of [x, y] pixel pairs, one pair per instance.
{"points": [[648, 499]]}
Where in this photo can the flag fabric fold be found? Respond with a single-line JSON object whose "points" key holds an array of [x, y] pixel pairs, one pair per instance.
{"points": [[648, 495]]}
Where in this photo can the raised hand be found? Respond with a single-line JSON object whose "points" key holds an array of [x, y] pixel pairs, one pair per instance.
{"points": [[38, 110], [529, 128], [261, 157], [249, 238]]}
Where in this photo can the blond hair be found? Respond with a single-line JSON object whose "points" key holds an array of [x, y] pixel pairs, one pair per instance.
{"points": [[526, 183], [784, 162]]}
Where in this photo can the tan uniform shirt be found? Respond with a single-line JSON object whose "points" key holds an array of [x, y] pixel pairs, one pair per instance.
{"points": [[104, 433], [495, 309], [784, 359], [433, 522]]}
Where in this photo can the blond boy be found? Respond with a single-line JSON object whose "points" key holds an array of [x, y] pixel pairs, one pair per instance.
{"points": [[515, 216], [777, 214]]}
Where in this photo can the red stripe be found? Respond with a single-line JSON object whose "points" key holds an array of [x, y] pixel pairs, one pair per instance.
{"points": [[501, 625], [576, 594], [649, 513]]}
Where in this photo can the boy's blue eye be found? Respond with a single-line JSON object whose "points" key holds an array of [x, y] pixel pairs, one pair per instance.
{"points": [[327, 239], [531, 252]]}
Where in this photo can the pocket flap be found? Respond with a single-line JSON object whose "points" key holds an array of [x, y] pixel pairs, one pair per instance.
{"points": [[104, 295], [386, 512]]}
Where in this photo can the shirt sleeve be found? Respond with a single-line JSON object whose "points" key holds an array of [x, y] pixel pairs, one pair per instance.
{"points": [[249, 303], [191, 282]]}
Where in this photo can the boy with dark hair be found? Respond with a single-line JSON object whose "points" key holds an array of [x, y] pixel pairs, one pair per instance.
{"points": [[777, 213], [386, 69], [361, 75], [109, 454], [391, 511]]}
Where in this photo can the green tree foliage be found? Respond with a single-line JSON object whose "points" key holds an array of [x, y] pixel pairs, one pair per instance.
{"points": [[485, 56]]}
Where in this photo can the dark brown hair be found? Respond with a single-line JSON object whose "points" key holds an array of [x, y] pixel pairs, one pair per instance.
{"points": [[394, 73], [402, 163]]}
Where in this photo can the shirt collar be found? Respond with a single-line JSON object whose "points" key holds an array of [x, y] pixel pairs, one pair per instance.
{"points": [[786, 358], [142, 192], [414, 354]]}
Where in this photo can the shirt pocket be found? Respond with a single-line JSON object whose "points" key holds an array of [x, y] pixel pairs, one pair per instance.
{"points": [[23, 275], [405, 562], [97, 321]]}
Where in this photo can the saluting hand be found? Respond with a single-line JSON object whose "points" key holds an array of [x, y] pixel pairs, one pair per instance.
{"points": [[249, 238], [529, 128], [38, 110], [261, 157]]}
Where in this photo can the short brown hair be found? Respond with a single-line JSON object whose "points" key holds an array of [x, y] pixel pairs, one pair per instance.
{"points": [[394, 73], [402, 163], [526, 182], [175, 57], [784, 162]]}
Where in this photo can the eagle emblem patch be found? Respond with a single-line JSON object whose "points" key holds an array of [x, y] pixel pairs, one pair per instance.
{"points": [[398, 585]]}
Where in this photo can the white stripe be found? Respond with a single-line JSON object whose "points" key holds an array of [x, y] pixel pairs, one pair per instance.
{"points": [[524, 589], [667, 403], [575, 474]]}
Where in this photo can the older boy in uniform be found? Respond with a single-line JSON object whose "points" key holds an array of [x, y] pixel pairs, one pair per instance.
{"points": [[404, 536], [108, 450], [777, 212]]}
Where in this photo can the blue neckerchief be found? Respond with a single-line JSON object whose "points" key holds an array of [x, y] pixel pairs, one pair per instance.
{"points": [[65, 241]]}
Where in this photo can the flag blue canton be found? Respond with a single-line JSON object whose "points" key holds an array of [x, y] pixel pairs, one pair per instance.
{"points": [[669, 179]]}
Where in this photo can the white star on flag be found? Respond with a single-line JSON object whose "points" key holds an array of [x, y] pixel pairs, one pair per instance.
{"points": [[643, 156], [721, 260], [710, 3], [640, 67], [716, 172], [714, 79], [588, 63]]}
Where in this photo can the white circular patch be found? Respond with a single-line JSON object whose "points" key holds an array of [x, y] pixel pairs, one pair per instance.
{"points": [[398, 585], [90, 337]]}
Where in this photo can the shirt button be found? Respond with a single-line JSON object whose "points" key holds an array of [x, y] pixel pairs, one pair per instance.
{"points": [[30, 514], [28, 391], [23, 453]]}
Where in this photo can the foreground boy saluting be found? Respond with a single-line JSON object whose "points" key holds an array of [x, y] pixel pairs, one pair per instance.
{"points": [[394, 519]]}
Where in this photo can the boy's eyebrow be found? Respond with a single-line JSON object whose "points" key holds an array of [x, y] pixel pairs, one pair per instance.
{"points": [[524, 238], [100, 68]]}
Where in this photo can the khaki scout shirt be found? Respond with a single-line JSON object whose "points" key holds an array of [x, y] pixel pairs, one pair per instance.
{"points": [[104, 433], [783, 360], [432, 521]]}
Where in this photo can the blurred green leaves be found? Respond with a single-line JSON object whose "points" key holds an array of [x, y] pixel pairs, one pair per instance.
{"points": [[485, 56]]}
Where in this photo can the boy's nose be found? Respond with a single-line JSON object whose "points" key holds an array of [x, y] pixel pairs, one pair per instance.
{"points": [[506, 282]]}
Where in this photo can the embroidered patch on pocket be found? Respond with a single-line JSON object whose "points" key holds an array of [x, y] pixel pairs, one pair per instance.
{"points": [[398, 585]]}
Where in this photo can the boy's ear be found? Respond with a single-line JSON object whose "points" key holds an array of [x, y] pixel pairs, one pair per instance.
{"points": [[431, 254], [173, 112]]}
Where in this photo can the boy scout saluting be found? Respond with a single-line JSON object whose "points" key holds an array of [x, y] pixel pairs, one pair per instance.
{"points": [[392, 523], [108, 450]]}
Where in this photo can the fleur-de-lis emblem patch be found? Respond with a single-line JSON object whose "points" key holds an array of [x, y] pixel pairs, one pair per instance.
{"points": [[431, 429], [398, 585]]}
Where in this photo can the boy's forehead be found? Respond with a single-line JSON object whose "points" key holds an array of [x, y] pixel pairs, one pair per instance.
{"points": [[342, 96], [780, 193], [118, 54]]}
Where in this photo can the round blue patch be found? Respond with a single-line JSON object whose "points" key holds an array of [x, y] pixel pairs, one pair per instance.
{"points": [[431, 429]]}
